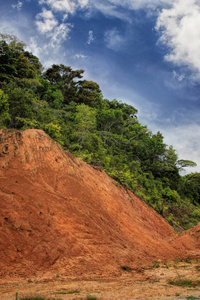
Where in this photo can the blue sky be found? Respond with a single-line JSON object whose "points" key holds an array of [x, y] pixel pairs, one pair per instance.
{"points": [[142, 52]]}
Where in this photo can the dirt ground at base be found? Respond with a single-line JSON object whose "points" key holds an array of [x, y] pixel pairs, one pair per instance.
{"points": [[151, 283]]}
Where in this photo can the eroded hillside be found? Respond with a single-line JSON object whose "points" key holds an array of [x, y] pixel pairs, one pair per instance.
{"points": [[59, 214]]}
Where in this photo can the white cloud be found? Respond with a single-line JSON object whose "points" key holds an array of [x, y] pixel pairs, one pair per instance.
{"points": [[138, 4], [65, 16], [108, 9], [48, 25], [111, 8], [179, 27], [18, 6], [179, 77], [45, 21], [33, 46], [120, 9], [90, 37], [67, 6], [80, 56], [59, 34], [114, 40]]}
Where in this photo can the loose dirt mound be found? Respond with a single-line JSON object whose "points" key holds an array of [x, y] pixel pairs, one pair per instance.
{"points": [[58, 214]]}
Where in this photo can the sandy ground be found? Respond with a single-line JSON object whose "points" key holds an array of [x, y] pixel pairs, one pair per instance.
{"points": [[149, 283]]}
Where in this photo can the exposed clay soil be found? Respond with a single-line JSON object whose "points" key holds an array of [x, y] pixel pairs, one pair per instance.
{"points": [[150, 283], [59, 215]]}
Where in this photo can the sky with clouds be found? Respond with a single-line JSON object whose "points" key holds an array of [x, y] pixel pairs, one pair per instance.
{"points": [[142, 52]]}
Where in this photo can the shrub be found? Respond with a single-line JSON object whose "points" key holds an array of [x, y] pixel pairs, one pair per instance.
{"points": [[170, 195]]}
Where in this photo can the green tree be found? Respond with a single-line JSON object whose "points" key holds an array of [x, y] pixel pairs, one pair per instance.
{"points": [[85, 122], [54, 131], [88, 93], [4, 108], [182, 163], [20, 105], [65, 79]]}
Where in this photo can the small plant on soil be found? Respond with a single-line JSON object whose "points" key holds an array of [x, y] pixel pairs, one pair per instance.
{"points": [[33, 298], [197, 268], [61, 293], [89, 297], [156, 264], [176, 261], [73, 292], [184, 282]]}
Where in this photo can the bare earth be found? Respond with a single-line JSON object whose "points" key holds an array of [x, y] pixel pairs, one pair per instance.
{"points": [[149, 283], [65, 225]]}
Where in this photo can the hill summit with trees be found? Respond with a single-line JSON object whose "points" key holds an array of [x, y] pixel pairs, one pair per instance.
{"points": [[105, 134]]}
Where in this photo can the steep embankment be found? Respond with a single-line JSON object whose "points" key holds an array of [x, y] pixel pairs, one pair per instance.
{"points": [[59, 214]]}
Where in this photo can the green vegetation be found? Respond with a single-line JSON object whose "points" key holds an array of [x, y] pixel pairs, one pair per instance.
{"points": [[68, 292], [89, 297], [33, 298], [184, 282], [38, 298], [156, 264], [197, 268], [103, 133]]}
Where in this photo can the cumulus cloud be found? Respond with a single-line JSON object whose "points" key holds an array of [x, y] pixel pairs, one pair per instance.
{"points": [[45, 21], [49, 26], [179, 29], [17, 6], [178, 23], [113, 8]]}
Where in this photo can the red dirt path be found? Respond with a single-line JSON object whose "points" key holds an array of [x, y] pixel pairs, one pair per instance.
{"points": [[60, 215]]}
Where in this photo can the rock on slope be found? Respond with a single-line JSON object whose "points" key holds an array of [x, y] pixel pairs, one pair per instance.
{"points": [[59, 214]]}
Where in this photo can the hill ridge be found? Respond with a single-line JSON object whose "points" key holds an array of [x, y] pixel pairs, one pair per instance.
{"points": [[59, 214]]}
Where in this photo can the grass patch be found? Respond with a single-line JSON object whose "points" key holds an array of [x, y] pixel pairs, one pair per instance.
{"points": [[73, 292], [32, 298], [197, 268], [184, 282], [68, 292], [156, 264], [37, 298], [176, 261], [89, 297]]}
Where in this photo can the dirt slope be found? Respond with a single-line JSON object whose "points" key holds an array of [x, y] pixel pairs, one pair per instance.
{"points": [[60, 215]]}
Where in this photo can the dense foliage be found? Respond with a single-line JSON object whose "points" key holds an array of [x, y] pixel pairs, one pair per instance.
{"points": [[104, 133]]}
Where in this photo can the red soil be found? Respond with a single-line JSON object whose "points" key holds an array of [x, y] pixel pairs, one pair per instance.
{"points": [[58, 214]]}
